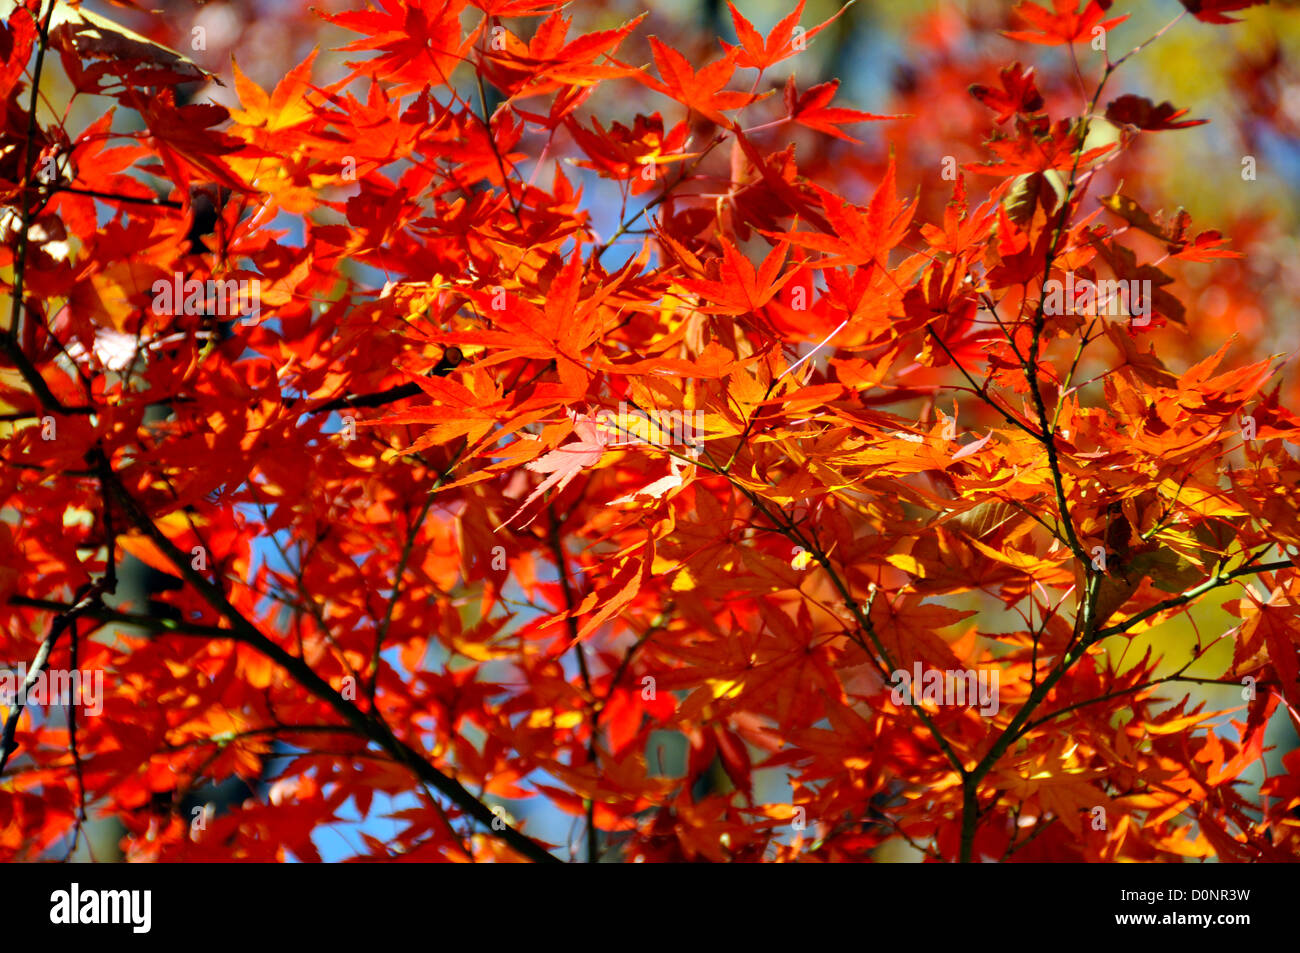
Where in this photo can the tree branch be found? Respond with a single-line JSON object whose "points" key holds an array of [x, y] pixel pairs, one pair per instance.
{"points": [[369, 723]]}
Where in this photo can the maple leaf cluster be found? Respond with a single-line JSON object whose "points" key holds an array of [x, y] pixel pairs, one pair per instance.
{"points": [[578, 418]]}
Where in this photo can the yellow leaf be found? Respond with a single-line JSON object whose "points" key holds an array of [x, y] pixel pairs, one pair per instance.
{"points": [[906, 563]]}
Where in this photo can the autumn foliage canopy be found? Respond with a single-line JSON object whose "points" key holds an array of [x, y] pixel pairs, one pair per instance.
{"points": [[537, 413]]}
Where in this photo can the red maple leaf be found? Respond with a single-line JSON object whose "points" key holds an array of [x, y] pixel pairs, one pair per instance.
{"points": [[1018, 94], [702, 90], [739, 288], [810, 109], [421, 41], [785, 39], [859, 237], [1064, 23]]}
